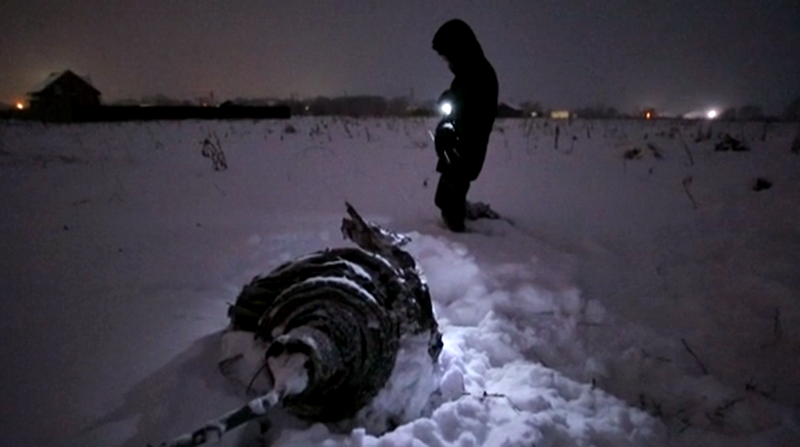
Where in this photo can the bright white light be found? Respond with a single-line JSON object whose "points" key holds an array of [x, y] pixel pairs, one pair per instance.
{"points": [[20, 105], [711, 114], [447, 108]]}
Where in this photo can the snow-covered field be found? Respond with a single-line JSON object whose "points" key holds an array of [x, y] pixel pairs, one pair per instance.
{"points": [[645, 294]]}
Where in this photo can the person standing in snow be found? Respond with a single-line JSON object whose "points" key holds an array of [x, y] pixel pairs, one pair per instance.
{"points": [[463, 135]]}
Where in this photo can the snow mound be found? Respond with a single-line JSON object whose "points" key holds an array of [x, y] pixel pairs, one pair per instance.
{"points": [[490, 391]]}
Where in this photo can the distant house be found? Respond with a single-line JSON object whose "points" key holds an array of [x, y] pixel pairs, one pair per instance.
{"points": [[560, 114], [506, 111], [62, 96]]}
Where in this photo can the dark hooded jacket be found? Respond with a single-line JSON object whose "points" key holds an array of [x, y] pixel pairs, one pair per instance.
{"points": [[473, 92]]}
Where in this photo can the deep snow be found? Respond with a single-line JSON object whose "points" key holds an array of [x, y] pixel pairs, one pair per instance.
{"points": [[639, 298]]}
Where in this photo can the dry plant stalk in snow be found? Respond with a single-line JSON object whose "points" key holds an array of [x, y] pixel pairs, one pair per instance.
{"points": [[212, 149]]}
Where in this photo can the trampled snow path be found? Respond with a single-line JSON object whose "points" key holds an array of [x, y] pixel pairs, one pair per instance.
{"points": [[125, 245]]}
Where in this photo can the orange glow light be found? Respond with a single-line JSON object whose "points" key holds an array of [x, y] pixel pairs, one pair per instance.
{"points": [[20, 105]]}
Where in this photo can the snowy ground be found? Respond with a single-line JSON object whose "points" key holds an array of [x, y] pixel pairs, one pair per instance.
{"points": [[640, 298]]}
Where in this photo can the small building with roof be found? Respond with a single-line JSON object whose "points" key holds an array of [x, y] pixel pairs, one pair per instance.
{"points": [[62, 96]]}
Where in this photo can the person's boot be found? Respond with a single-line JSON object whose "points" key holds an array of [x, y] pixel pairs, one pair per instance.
{"points": [[455, 224]]}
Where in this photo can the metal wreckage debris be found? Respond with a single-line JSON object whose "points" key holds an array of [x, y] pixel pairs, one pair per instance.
{"points": [[326, 329]]}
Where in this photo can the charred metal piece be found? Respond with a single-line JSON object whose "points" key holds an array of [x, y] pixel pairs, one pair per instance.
{"points": [[329, 325]]}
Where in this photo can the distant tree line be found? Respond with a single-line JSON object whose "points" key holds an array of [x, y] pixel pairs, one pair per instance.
{"points": [[356, 106], [751, 112], [379, 106], [155, 100], [747, 112], [792, 111], [598, 112], [359, 106]]}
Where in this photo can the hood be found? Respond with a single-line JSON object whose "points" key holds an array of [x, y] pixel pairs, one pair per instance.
{"points": [[456, 41]]}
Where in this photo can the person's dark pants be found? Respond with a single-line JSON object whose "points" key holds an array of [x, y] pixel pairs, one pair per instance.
{"points": [[451, 198]]}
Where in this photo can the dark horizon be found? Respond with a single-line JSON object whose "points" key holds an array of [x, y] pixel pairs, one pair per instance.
{"points": [[676, 57]]}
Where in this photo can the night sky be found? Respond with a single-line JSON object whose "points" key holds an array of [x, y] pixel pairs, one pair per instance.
{"points": [[676, 55]]}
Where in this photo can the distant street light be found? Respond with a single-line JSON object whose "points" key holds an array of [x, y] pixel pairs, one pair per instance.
{"points": [[20, 105], [711, 114]]}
